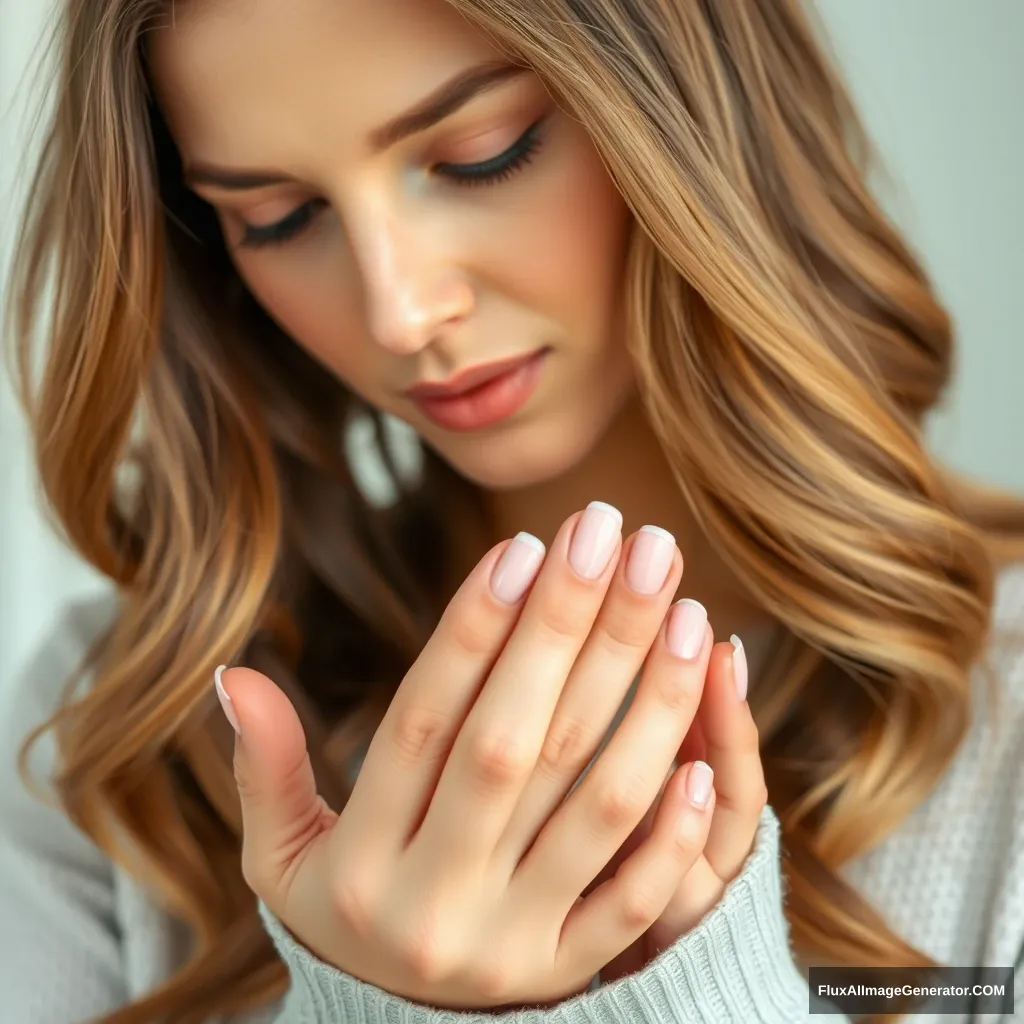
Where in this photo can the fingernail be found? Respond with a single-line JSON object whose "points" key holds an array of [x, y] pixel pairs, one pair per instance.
{"points": [[739, 666], [698, 784], [594, 539], [687, 620], [225, 700], [517, 567], [650, 559]]}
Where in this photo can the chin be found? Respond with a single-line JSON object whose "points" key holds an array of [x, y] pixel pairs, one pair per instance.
{"points": [[534, 454]]}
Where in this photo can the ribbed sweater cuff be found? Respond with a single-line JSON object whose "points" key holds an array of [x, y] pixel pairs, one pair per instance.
{"points": [[735, 966]]}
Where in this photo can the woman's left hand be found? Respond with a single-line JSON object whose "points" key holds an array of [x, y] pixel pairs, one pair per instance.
{"points": [[724, 735]]}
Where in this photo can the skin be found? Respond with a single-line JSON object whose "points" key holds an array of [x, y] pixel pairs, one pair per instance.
{"points": [[454, 872], [401, 275], [408, 275]]}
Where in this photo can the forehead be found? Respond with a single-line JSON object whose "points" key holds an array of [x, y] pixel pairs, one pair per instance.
{"points": [[252, 81]]}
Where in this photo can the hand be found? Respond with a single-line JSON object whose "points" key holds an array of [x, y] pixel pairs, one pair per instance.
{"points": [[724, 735], [453, 876]]}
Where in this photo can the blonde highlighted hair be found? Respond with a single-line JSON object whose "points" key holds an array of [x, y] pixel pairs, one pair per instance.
{"points": [[773, 312]]}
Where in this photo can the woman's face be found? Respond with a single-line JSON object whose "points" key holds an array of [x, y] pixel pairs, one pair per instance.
{"points": [[405, 231]]}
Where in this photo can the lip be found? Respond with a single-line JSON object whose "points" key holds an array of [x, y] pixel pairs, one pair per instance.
{"points": [[480, 396], [467, 379]]}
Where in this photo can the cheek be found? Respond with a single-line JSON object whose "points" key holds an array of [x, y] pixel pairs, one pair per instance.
{"points": [[569, 245], [309, 301]]}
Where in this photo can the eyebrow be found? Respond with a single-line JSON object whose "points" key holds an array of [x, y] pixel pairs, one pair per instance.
{"points": [[444, 101]]}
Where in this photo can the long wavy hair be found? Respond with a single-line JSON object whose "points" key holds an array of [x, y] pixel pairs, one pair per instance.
{"points": [[191, 453]]}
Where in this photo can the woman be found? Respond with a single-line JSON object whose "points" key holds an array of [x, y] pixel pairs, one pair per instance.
{"points": [[615, 265]]}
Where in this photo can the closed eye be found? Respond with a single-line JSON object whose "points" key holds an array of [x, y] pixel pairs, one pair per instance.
{"points": [[498, 168], [283, 229], [487, 172]]}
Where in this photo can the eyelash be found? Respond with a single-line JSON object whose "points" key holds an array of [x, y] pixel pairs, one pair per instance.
{"points": [[488, 172], [498, 168]]}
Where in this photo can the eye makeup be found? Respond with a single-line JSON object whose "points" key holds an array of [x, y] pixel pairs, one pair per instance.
{"points": [[487, 172]]}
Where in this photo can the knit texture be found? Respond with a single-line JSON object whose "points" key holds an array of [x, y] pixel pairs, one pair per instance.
{"points": [[735, 966], [79, 937]]}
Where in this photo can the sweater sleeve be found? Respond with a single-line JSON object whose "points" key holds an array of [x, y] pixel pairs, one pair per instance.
{"points": [[60, 955], [64, 962], [735, 966]]}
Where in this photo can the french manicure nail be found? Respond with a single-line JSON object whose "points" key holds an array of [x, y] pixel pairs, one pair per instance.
{"points": [[650, 559], [684, 634], [739, 666], [594, 539], [698, 784], [517, 567], [225, 700]]}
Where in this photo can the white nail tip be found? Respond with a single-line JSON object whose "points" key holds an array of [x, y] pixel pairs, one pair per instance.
{"points": [[533, 542], [605, 507], [659, 532]]}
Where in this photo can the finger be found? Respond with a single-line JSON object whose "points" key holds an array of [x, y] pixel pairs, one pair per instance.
{"points": [[408, 751], [734, 752], [699, 893], [282, 814], [592, 699], [623, 908], [497, 747], [599, 814], [694, 747], [633, 840]]}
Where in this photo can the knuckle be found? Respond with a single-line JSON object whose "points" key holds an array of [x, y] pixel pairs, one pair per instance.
{"points": [[499, 759], [472, 631], [748, 799], [493, 979], [640, 907], [563, 620], [352, 905], [620, 805], [564, 749], [418, 734], [627, 630], [421, 961], [420, 950], [672, 688]]}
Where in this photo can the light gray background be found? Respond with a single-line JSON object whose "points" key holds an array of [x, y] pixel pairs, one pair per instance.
{"points": [[939, 83]]}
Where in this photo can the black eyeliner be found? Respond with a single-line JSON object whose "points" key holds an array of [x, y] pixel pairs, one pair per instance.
{"points": [[498, 167], [282, 229], [488, 172]]}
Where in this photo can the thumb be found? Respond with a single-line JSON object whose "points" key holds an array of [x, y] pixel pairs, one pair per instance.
{"points": [[282, 812]]}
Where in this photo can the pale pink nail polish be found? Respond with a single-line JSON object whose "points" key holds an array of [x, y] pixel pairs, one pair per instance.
{"points": [[594, 540], [517, 568], [698, 784], [739, 666], [225, 700], [684, 634], [650, 559]]}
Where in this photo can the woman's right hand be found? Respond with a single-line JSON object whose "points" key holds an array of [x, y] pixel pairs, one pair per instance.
{"points": [[453, 876]]}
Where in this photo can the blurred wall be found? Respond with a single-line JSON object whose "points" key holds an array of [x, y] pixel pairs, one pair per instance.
{"points": [[939, 83]]}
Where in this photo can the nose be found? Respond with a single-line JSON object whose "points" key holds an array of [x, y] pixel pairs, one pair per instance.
{"points": [[414, 290]]}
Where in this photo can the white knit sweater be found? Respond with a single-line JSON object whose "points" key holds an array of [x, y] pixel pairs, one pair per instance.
{"points": [[78, 936]]}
